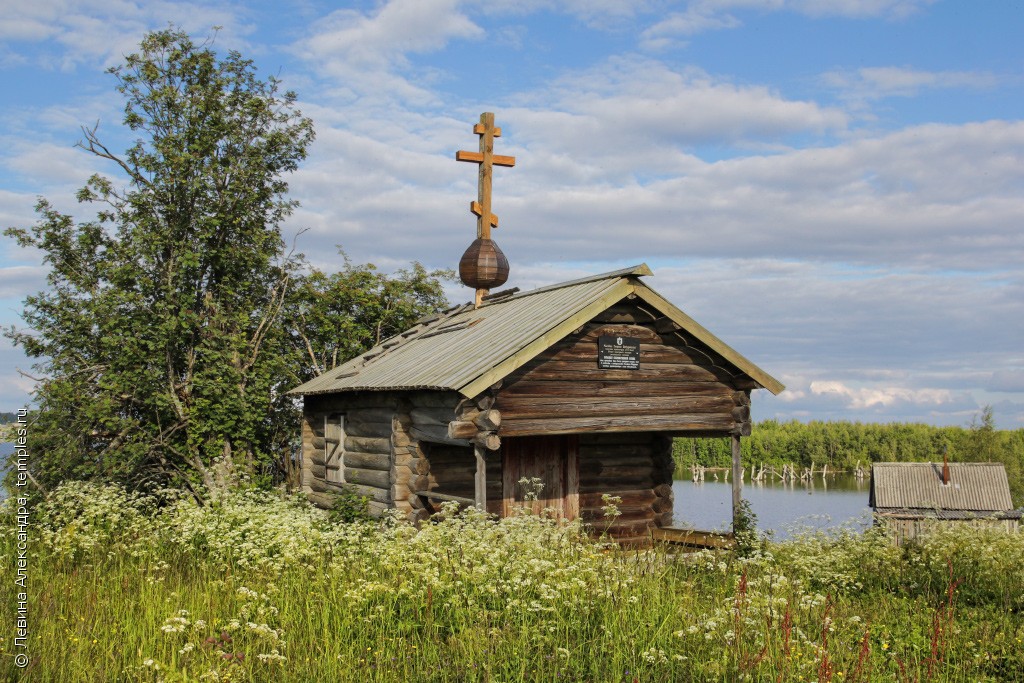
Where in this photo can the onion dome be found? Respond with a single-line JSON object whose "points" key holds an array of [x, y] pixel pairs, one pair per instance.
{"points": [[483, 266]]}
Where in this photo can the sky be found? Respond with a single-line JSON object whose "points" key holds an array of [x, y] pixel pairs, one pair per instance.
{"points": [[835, 188]]}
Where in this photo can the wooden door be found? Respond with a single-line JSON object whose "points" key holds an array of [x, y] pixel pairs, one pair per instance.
{"points": [[550, 461]]}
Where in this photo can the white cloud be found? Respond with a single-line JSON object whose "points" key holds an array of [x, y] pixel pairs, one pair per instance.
{"points": [[868, 397], [707, 15], [368, 52], [874, 83], [632, 116], [926, 198], [89, 31]]}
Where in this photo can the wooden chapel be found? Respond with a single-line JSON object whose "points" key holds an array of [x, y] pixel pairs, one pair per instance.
{"points": [[576, 389]]}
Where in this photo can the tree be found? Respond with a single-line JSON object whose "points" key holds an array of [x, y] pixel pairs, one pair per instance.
{"points": [[332, 318], [984, 443], [158, 338]]}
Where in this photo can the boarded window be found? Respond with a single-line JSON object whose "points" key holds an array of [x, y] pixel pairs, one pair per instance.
{"points": [[334, 448]]}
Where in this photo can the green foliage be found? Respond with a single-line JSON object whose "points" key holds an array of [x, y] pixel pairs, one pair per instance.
{"points": [[350, 507], [174, 321], [262, 587], [157, 333], [332, 318], [744, 528]]}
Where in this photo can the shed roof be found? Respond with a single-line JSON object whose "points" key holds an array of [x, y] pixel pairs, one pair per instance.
{"points": [[468, 349], [974, 487]]}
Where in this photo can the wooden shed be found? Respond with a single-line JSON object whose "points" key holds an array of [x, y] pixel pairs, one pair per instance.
{"points": [[579, 387], [910, 497]]}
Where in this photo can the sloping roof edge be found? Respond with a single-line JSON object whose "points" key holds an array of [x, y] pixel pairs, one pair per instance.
{"points": [[635, 271], [703, 334]]}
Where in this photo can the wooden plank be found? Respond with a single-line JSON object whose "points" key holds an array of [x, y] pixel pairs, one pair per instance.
{"points": [[617, 452], [600, 484], [622, 529], [432, 416], [617, 440], [457, 429], [621, 423], [636, 498], [620, 454], [627, 314], [368, 444], [632, 469], [572, 478], [434, 399], [526, 408], [649, 353], [436, 434], [641, 332], [648, 372], [617, 388], [371, 492], [435, 495], [693, 538], [480, 479], [361, 414], [355, 427], [496, 159], [376, 478], [367, 461]]}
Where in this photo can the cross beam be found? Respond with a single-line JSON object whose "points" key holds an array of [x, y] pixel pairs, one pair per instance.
{"points": [[487, 159]]}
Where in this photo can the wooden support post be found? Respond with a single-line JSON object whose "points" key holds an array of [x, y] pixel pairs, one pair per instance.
{"points": [[480, 480], [737, 480]]}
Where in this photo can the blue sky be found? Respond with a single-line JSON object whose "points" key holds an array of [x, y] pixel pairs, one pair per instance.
{"points": [[834, 187]]}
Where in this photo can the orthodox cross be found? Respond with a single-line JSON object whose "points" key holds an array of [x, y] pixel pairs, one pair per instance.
{"points": [[486, 158]]}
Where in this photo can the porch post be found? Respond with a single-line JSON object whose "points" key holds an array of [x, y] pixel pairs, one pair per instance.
{"points": [[737, 479], [480, 480]]}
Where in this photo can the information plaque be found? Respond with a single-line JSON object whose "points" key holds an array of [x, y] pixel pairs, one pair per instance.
{"points": [[618, 353]]}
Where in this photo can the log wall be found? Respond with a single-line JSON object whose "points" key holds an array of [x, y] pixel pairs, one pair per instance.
{"points": [[681, 386], [369, 457], [636, 467], [391, 441]]}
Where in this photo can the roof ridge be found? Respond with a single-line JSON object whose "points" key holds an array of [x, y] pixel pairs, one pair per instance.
{"points": [[635, 271]]}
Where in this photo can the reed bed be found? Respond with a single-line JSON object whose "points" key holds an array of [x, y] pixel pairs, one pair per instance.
{"points": [[261, 587]]}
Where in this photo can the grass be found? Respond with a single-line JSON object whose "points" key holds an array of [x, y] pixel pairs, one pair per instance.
{"points": [[264, 588]]}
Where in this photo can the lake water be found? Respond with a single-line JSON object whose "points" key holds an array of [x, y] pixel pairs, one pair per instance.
{"points": [[783, 508]]}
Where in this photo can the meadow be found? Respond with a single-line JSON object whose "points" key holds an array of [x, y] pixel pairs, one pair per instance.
{"points": [[259, 586]]}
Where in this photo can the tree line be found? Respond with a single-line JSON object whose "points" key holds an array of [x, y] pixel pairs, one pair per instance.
{"points": [[845, 445]]}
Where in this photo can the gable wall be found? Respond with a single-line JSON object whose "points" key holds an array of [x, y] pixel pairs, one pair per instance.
{"points": [[678, 387]]}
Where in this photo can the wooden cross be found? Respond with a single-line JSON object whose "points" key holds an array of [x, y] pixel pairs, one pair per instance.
{"points": [[486, 158]]}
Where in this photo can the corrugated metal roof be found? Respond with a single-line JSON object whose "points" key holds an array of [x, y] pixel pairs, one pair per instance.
{"points": [[464, 346], [912, 513], [973, 487]]}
